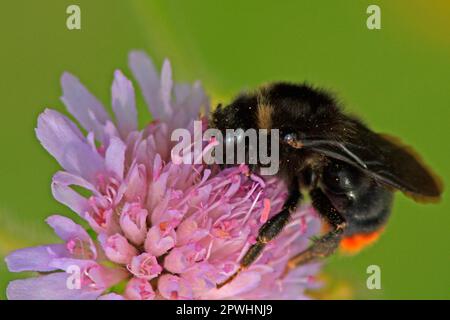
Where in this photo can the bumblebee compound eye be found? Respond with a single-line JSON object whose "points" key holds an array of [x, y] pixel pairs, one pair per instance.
{"points": [[288, 138], [292, 139]]}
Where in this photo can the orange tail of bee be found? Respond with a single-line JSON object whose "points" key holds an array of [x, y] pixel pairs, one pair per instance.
{"points": [[354, 243]]}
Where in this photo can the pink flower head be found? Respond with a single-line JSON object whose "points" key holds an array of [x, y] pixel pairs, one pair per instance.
{"points": [[168, 230]]}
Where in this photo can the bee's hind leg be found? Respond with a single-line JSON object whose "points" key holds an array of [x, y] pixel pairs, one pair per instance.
{"points": [[328, 243]]}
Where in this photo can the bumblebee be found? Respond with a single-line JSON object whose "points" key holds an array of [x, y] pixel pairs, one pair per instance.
{"points": [[349, 171]]}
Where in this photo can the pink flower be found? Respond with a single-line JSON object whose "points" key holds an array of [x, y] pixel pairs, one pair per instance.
{"points": [[117, 248], [139, 289], [170, 231], [133, 221], [145, 266]]}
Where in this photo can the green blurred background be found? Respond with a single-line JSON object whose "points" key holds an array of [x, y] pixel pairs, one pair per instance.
{"points": [[396, 78]]}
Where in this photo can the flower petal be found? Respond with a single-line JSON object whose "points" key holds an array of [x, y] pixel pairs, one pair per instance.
{"points": [[146, 75], [64, 141], [66, 229], [136, 183], [244, 282], [145, 266], [35, 258], [178, 260], [115, 157], [62, 191], [117, 248], [174, 288], [133, 221], [49, 287], [93, 274], [190, 102], [158, 243], [124, 104], [166, 89], [139, 289], [84, 106], [111, 296]]}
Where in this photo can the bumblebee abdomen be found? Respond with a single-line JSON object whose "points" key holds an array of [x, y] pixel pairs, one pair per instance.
{"points": [[356, 242]]}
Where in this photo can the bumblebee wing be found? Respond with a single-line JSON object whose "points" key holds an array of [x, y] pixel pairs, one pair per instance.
{"points": [[385, 158]]}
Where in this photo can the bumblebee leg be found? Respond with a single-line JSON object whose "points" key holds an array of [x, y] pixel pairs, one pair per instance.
{"points": [[328, 243], [269, 230]]}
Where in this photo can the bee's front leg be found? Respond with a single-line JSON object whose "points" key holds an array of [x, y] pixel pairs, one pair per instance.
{"points": [[269, 230]]}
